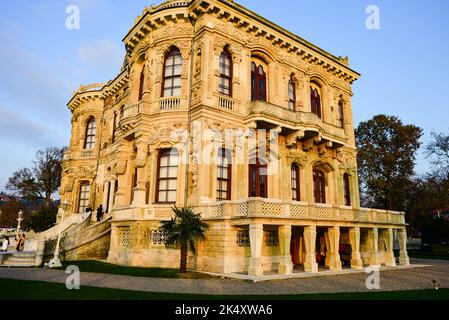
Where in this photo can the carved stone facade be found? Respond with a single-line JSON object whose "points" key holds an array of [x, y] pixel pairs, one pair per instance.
{"points": [[302, 197]]}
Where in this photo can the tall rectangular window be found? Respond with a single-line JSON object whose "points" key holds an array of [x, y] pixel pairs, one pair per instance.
{"points": [[224, 169], [258, 182], [83, 200], [91, 130], [295, 182], [341, 114], [258, 83], [347, 190], [319, 186], [291, 95], [167, 182], [225, 83], [172, 74]]}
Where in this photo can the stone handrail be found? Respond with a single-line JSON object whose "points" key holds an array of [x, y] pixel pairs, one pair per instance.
{"points": [[87, 153], [258, 207], [169, 103], [225, 102], [131, 110]]}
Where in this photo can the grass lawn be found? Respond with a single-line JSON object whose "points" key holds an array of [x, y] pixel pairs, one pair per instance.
{"points": [[34, 290], [103, 267], [425, 255]]}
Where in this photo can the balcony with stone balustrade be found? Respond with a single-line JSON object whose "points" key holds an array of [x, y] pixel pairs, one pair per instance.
{"points": [[295, 121], [298, 212]]}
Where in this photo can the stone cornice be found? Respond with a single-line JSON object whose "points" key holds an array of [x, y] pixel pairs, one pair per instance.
{"points": [[98, 90], [243, 19]]}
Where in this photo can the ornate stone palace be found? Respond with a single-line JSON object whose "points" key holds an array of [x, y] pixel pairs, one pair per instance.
{"points": [[219, 109]]}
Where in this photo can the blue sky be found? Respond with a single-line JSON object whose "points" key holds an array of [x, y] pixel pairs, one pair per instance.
{"points": [[403, 65]]}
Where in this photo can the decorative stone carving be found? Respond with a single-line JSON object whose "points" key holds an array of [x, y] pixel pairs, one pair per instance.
{"points": [[141, 157], [121, 165]]}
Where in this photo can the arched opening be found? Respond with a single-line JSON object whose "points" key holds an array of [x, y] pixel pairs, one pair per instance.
{"points": [[224, 174], [83, 198], [341, 114], [225, 82], [167, 178], [347, 190], [315, 99], [141, 82], [258, 82], [258, 178], [291, 94], [172, 74], [319, 186], [295, 182], [91, 129]]}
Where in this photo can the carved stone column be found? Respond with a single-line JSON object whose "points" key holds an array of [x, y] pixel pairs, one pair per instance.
{"points": [[285, 263], [310, 264], [354, 239], [106, 190], [389, 254], [373, 240], [403, 256], [140, 189], [334, 243], [111, 195], [256, 236]]}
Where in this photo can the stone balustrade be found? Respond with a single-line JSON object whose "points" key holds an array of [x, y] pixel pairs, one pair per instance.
{"points": [[131, 110], [294, 119], [169, 103], [88, 153], [258, 207], [226, 103]]}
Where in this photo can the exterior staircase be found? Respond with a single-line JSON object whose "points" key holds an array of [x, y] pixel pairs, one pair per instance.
{"points": [[81, 239], [18, 259]]}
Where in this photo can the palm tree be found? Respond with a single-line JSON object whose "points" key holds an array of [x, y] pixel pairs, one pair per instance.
{"points": [[184, 229]]}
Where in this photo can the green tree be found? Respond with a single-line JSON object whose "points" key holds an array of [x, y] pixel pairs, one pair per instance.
{"points": [[8, 214], [42, 180], [438, 151], [43, 218], [184, 229], [386, 160]]}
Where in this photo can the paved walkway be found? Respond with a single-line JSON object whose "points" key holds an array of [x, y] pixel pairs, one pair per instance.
{"points": [[414, 277]]}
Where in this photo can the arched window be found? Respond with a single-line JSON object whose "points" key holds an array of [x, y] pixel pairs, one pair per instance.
{"points": [[347, 190], [83, 198], [341, 115], [114, 126], [315, 101], [141, 82], [167, 180], [319, 185], [291, 95], [258, 182], [225, 83], [224, 169], [295, 182], [91, 130], [258, 83], [172, 74]]}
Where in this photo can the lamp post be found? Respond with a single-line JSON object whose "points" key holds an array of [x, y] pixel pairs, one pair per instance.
{"points": [[55, 262], [19, 220]]}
